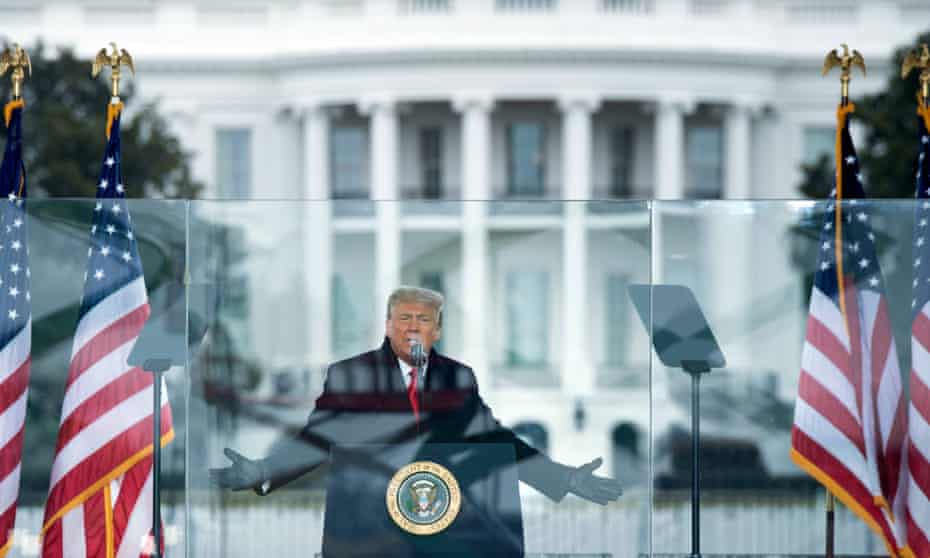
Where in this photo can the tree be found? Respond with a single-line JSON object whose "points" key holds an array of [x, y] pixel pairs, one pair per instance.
{"points": [[64, 138], [888, 155]]}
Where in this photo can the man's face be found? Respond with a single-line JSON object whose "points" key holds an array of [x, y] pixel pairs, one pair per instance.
{"points": [[411, 320]]}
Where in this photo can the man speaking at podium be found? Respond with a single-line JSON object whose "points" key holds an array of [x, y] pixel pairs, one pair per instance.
{"points": [[418, 462]]}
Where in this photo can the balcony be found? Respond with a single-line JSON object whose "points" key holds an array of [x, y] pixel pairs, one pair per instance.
{"points": [[419, 200], [426, 7]]}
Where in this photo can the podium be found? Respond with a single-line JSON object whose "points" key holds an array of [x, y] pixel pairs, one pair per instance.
{"points": [[359, 524]]}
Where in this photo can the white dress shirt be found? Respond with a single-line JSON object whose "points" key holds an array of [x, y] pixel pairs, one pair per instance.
{"points": [[405, 372]]}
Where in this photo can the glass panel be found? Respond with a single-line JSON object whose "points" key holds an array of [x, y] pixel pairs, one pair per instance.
{"points": [[506, 292], [52, 275], [234, 162], [750, 267]]}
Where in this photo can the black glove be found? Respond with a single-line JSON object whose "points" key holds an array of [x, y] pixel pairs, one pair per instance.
{"points": [[585, 484], [242, 474]]}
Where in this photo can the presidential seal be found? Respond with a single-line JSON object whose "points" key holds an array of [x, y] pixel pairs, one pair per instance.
{"points": [[423, 498]]}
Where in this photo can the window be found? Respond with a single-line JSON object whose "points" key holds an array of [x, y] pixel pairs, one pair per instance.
{"points": [[705, 161], [617, 326], [526, 157], [527, 318], [348, 159], [828, 12], [433, 280], [346, 324], [431, 161], [234, 162], [641, 7], [709, 7], [525, 5], [818, 141], [621, 161], [426, 6]]}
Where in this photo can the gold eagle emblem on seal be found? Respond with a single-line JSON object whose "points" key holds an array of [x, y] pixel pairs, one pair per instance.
{"points": [[423, 498]]}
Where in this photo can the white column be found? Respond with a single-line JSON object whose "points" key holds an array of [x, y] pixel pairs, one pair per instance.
{"points": [[669, 146], [476, 187], [384, 191], [317, 233], [576, 365], [738, 135], [730, 237]]}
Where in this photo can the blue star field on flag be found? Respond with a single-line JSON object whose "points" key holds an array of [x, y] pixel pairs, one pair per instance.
{"points": [[921, 282], [113, 255], [860, 261], [15, 298]]}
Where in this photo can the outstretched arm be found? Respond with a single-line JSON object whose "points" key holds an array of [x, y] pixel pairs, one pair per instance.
{"points": [[297, 456], [551, 478]]}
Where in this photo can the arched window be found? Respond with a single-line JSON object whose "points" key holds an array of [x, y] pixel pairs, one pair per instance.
{"points": [[534, 434]]}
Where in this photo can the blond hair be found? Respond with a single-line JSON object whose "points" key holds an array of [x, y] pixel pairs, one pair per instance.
{"points": [[417, 295]]}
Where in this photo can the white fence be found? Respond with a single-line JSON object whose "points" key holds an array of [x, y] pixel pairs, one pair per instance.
{"points": [[290, 525]]}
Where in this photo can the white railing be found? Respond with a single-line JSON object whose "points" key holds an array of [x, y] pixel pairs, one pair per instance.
{"points": [[822, 11], [526, 5], [426, 7], [914, 10], [709, 7], [290, 525], [635, 7]]}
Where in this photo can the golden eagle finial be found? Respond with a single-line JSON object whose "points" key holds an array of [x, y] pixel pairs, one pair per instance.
{"points": [[919, 60], [17, 59], [846, 62], [115, 59]]}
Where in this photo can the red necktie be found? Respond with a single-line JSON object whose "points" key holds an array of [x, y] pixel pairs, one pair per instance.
{"points": [[413, 396]]}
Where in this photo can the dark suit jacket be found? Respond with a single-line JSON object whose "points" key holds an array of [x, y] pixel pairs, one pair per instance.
{"points": [[364, 400]]}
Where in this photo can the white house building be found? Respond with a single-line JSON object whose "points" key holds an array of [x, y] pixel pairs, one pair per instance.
{"points": [[342, 101]]}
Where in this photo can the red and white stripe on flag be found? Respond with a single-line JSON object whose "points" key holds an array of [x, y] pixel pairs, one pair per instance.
{"points": [[105, 437], [14, 382], [850, 426], [918, 451]]}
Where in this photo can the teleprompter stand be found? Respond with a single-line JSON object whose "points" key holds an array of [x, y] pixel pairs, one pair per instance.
{"points": [[682, 339]]}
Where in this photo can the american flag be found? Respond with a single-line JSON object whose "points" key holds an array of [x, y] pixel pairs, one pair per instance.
{"points": [[850, 425], [100, 495], [918, 451], [15, 322]]}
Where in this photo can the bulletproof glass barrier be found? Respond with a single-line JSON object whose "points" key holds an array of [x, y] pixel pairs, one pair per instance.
{"points": [[293, 430]]}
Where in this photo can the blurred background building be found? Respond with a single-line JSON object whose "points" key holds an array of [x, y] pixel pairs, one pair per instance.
{"points": [[351, 102]]}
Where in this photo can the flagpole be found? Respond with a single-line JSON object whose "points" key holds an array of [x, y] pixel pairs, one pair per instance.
{"points": [[156, 366], [845, 62], [830, 505]]}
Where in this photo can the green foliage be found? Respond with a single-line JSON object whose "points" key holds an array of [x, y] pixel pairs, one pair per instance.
{"points": [[64, 133], [889, 153]]}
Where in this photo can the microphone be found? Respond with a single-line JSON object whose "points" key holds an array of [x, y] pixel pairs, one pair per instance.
{"points": [[416, 351]]}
